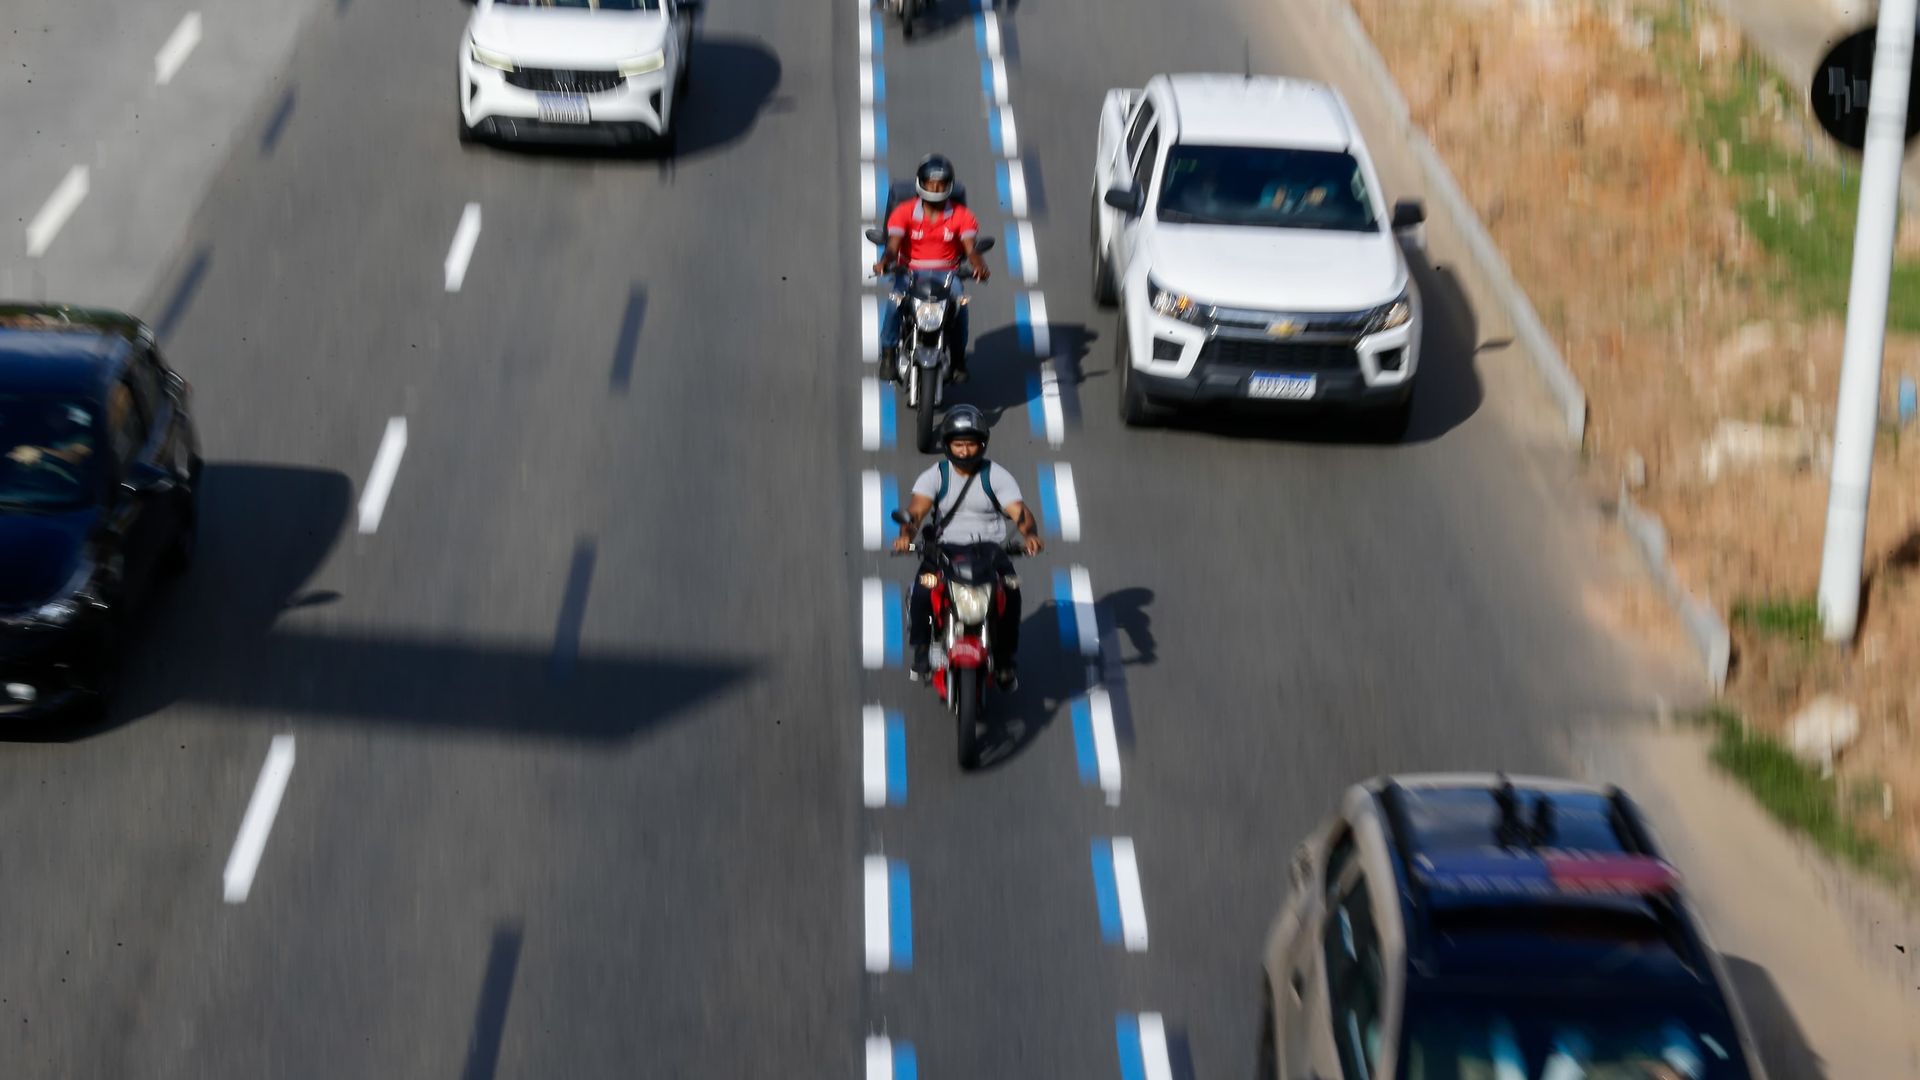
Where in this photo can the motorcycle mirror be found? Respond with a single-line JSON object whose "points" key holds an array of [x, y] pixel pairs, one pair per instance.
{"points": [[900, 518], [984, 244], [875, 236]]}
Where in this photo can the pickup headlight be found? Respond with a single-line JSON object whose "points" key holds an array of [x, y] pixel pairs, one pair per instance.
{"points": [[970, 602], [640, 65], [1177, 305], [488, 57], [1393, 315]]}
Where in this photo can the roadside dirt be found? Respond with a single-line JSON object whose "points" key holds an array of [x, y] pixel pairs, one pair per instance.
{"points": [[1672, 219]]}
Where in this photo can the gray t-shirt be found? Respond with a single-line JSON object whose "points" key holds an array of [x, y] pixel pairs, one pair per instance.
{"points": [[976, 522]]}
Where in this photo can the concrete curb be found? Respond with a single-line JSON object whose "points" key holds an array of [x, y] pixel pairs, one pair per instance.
{"points": [[1709, 633], [1532, 334]]}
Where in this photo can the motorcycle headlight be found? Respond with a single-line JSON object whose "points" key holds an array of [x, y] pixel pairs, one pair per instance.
{"points": [[929, 315], [640, 65], [1392, 315], [970, 602], [1176, 305], [488, 57]]}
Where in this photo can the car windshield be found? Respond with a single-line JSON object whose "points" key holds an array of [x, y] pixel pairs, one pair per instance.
{"points": [[46, 452], [1289, 189], [1627, 1036], [593, 5]]}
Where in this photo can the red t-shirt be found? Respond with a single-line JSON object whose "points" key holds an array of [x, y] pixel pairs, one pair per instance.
{"points": [[933, 237]]}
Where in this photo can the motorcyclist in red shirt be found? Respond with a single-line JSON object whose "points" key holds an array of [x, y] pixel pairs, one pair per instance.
{"points": [[934, 237]]}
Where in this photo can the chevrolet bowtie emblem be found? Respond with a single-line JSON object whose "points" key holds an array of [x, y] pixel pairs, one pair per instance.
{"points": [[1283, 328]]}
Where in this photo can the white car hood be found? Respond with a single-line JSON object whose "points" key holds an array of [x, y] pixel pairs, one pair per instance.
{"points": [[569, 37], [1277, 269]]}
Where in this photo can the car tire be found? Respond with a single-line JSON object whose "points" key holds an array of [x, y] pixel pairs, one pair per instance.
{"points": [[1389, 425], [1103, 291], [178, 559], [1135, 409]]}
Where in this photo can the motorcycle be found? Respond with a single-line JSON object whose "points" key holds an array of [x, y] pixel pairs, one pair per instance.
{"points": [[905, 11], [923, 363], [967, 587]]}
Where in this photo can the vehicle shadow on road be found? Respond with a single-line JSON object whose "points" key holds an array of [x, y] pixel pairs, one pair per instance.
{"points": [[217, 638], [1783, 1046], [1448, 388], [730, 84], [1005, 375], [1053, 671]]}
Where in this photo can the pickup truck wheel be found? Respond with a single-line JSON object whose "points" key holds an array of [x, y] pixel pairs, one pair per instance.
{"points": [[1103, 293], [1135, 410]]}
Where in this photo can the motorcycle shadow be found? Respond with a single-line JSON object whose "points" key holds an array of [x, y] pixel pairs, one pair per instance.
{"points": [[1052, 674]]}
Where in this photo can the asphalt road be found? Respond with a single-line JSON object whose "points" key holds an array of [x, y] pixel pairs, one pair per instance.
{"points": [[579, 776]]}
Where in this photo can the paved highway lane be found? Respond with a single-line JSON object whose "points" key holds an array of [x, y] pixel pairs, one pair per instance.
{"points": [[538, 517]]}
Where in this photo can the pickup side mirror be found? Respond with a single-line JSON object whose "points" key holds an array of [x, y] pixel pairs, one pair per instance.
{"points": [[983, 244], [1129, 201], [1408, 213]]}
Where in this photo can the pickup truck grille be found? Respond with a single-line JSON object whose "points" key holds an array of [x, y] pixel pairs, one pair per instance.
{"points": [[1278, 356]]}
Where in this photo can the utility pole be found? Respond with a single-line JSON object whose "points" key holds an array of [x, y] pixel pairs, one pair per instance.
{"points": [[1858, 417]]}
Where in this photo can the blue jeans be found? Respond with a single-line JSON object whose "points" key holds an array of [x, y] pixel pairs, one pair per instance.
{"points": [[903, 281]]}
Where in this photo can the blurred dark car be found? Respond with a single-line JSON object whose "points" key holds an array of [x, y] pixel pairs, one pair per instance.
{"points": [[99, 471]]}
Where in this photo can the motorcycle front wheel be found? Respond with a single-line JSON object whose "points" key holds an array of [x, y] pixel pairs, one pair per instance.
{"points": [[926, 382], [965, 686]]}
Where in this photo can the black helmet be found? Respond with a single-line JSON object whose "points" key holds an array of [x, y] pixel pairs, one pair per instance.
{"points": [[935, 167], [960, 422]]}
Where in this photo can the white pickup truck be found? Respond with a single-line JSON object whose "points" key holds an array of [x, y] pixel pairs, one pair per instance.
{"points": [[1238, 223]]}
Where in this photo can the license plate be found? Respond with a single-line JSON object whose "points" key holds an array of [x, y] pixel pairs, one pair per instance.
{"points": [[563, 108], [1283, 387]]}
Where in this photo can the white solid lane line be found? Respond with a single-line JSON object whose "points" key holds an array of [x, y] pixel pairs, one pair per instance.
{"points": [[879, 920], [257, 824], [465, 235], [1029, 254], [1133, 908], [1037, 318], [1017, 189], [1153, 1047], [1083, 614], [1069, 501], [386, 465], [1106, 747], [870, 328], [873, 755], [166, 63], [872, 531], [870, 414], [60, 205], [1050, 403], [873, 625]]}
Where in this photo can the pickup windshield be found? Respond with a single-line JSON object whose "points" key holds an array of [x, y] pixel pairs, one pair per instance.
{"points": [[1280, 188]]}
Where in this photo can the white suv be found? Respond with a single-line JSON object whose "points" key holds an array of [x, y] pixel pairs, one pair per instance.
{"points": [[575, 70], [1238, 222]]}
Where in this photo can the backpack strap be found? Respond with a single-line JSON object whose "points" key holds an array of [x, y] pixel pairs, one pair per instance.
{"points": [[985, 473], [945, 519]]}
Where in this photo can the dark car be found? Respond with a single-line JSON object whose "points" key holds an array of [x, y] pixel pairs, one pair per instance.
{"points": [[99, 471], [1470, 926]]}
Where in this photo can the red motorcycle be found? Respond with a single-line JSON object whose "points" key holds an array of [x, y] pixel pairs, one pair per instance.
{"points": [[966, 589]]}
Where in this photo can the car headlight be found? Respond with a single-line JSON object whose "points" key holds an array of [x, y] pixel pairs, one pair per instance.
{"points": [[970, 602], [1392, 315], [1177, 305], [640, 65], [929, 315], [488, 57], [69, 602]]}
